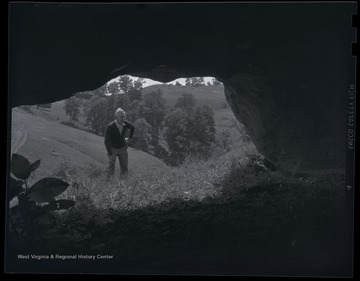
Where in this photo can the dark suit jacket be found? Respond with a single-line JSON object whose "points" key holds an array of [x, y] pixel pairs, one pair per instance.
{"points": [[113, 138]]}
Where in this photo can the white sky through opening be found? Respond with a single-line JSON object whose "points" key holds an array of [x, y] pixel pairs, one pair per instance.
{"points": [[149, 82]]}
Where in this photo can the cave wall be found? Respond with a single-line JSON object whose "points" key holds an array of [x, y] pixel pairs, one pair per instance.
{"points": [[285, 67]]}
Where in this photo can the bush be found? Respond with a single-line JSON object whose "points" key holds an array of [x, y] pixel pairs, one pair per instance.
{"points": [[32, 216], [246, 174]]}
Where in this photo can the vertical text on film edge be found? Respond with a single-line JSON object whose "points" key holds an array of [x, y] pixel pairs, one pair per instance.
{"points": [[351, 117]]}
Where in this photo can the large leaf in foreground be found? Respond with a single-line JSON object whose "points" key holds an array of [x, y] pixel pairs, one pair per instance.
{"points": [[15, 188], [20, 166], [35, 165], [46, 189]]}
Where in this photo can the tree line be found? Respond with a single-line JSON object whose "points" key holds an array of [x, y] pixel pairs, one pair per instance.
{"points": [[169, 133]]}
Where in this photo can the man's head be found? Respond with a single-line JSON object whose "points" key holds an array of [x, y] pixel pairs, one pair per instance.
{"points": [[120, 115]]}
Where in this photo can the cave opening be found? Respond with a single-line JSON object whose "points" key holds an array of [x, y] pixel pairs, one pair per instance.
{"points": [[222, 212]]}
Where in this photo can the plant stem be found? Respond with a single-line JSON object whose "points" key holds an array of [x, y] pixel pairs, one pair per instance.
{"points": [[26, 186]]}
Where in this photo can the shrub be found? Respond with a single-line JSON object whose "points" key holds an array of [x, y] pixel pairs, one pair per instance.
{"points": [[32, 216], [245, 174]]}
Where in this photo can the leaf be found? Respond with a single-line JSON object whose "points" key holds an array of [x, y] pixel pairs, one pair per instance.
{"points": [[20, 166], [61, 204], [46, 189], [15, 188], [35, 165]]}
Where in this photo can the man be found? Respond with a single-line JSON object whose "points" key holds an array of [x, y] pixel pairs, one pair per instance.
{"points": [[116, 142]]}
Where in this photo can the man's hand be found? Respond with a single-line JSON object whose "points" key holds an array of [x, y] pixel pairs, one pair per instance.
{"points": [[128, 140]]}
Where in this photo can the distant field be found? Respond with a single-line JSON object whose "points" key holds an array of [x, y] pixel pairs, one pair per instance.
{"points": [[213, 96], [56, 113], [55, 144]]}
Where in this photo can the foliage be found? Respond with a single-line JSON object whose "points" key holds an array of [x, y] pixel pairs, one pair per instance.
{"points": [[33, 213], [84, 95], [134, 95], [95, 110], [237, 126], [216, 82], [72, 108], [101, 91], [251, 171], [113, 88], [125, 84], [115, 101], [177, 136], [186, 102], [153, 109], [189, 132], [142, 137], [195, 81]]}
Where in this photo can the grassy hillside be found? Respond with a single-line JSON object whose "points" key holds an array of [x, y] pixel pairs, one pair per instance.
{"points": [[213, 96], [58, 145], [57, 113]]}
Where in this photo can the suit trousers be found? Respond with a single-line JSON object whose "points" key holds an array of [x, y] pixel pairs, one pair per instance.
{"points": [[122, 155]]}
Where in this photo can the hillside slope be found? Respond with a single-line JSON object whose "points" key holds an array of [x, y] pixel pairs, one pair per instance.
{"points": [[213, 96], [56, 144]]}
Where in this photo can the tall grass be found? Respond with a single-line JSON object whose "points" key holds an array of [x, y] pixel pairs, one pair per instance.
{"points": [[194, 180]]}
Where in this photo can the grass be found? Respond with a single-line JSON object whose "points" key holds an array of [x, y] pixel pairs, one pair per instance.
{"points": [[225, 217], [194, 180]]}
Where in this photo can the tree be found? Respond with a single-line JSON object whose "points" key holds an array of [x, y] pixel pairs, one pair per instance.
{"points": [[138, 84], [101, 91], [216, 82], [195, 81], [132, 114], [188, 81], [177, 136], [142, 137], [204, 132], [84, 95], [134, 95], [198, 81], [153, 109], [72, 108], [96, 114], [113, 88], [125, 84], [116, 101], [189, 132], [186, 101]]}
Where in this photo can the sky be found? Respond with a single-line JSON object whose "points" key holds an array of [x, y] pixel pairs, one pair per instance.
{"points": [[149, 82]]}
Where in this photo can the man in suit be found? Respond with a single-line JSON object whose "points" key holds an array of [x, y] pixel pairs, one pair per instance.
{"points": [[116, 142]]}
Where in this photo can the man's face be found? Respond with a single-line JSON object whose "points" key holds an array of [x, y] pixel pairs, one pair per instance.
{"points": [[120, 117]]}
